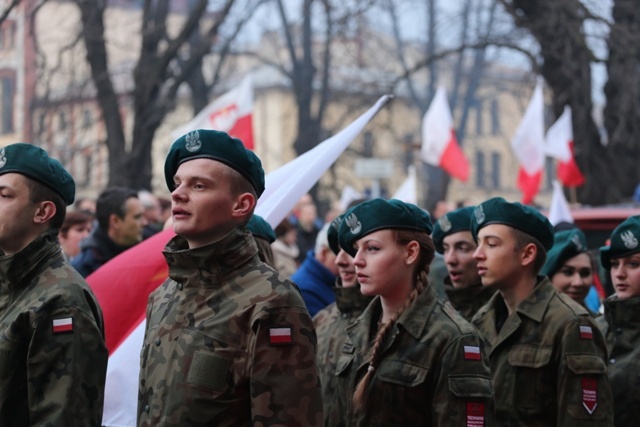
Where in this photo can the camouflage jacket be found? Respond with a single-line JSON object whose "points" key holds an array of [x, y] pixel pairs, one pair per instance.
{"points": [[623, 342], [433, 371], [228, 342], [53, 358], [331, 324], [547, 361], [468, 300]]}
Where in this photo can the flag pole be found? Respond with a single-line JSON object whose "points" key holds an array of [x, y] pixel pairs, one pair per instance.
{"points": [[573, 195]]}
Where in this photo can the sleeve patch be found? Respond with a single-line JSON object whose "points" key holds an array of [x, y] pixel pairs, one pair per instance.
{"points": [[586, 333], [589, 394], [280, 336], [62, 325], [471, 352], [475, 414]]}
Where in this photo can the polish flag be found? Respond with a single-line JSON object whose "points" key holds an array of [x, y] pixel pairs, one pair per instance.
{"points": [[231, 113], [439, 144], [559, 210], [559, 145], [528, 146], [122, 285], [408, 190]]}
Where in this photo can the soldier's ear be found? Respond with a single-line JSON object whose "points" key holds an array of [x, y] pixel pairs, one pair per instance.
{"points": [[244, 205], [44, 212]]}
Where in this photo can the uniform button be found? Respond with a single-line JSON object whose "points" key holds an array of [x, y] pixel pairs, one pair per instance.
{"points": [[612, 361], [345, 315], [157, 341], [179, 286], [146, 408], [618, 331]]}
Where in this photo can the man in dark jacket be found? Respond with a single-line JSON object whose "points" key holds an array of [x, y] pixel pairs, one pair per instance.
{"points": [[121, 220], [53, 358]]}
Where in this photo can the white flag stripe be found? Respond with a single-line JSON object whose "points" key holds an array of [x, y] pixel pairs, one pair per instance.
{"points": [[558, 137], [407, 192], [471, 349], [63, 322], [437, 125], [528, 141], [279, 332], [559, 210]]}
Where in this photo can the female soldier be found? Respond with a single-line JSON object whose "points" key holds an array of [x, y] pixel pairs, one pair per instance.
{"points": [[569, 266], [622, 313], [410, 359]]}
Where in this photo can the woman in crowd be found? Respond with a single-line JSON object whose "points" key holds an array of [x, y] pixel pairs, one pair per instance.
{"points": [[76, 226], [569, 265], [622, 314], [409, 359]]}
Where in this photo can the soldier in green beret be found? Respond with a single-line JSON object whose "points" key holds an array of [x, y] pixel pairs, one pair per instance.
{"points": [[228, 341], [332, 321], [452, 238], [409, 359], [569, 266], [622, 314], [53, 357], [264, 236], [548, 358]]}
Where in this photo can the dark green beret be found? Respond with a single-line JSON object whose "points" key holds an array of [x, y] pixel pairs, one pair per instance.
{"points": [[215, 145], [451, 222], [380, 214], [332, 234], [34, 162], [261, 228], [521, 217], [623, 242], [566, 245]]}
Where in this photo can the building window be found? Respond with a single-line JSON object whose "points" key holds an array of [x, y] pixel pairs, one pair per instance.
{"points": [[7, 105], [549, 171], [62, 121], [367, 145], [8, 35], [495, 169], [480, 182], [86, 118], [479, 129], [495, 117]]}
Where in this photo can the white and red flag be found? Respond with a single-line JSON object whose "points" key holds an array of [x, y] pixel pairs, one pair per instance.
{"points": [[528, 146], [559, 145], [439, 143], [231, 112], [122, 285]]}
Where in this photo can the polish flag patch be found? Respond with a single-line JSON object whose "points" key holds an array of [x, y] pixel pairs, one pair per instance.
{"points": [[471, 352], [475, 414], [589, 394], [586, 333], [63, 325], [280, 336]]}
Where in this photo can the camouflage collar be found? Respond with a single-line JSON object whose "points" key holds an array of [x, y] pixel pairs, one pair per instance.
{"points": [[208, 265], [622, 311], [535, 305], [350, 300]]}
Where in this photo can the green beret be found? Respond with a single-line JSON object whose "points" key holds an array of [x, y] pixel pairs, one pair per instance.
{"points": [[449, 223], [215, 145], [34, 162], [380, 214], [623, 242], [261, 228], [566, 245], [332, 234], [516, 215]]}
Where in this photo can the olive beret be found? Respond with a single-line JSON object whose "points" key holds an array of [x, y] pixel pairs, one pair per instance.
{"points": [[450, 223], [623, 242], [261, 228], [380, 214], [35, 163], [214, 145], [516, 215], [566, 245]]}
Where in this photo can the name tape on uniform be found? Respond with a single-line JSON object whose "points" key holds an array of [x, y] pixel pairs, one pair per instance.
{"points": [[475, 414]]}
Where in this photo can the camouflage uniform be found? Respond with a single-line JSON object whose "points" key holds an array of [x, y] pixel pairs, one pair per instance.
{"points": [[547, 361], [622, 334], [467, 300], [53, 358], [331, 324], [433, 370], [228, 342]]}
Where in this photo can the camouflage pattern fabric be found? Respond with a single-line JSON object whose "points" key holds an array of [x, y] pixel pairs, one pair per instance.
{"points": [[548, 362], [228, 342], [468, 301], [331, 324], [434, 370], [53, 358], [623, 342]]}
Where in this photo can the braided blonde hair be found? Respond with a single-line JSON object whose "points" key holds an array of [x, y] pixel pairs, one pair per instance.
{"points": [[427, 249]]}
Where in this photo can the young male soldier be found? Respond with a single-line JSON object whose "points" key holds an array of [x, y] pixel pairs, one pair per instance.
{"points": [[547, 355], [228, 341], [452, 238], [53, 358]]}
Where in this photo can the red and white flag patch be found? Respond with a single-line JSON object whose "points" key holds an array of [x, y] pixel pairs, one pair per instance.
{"points": [[586, 333], [63, 325], [589, 394], [471, 352], [280, 336], [475, 414]]}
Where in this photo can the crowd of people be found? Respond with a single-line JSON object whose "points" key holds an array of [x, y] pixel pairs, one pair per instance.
{"points": [[334, 321]]}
